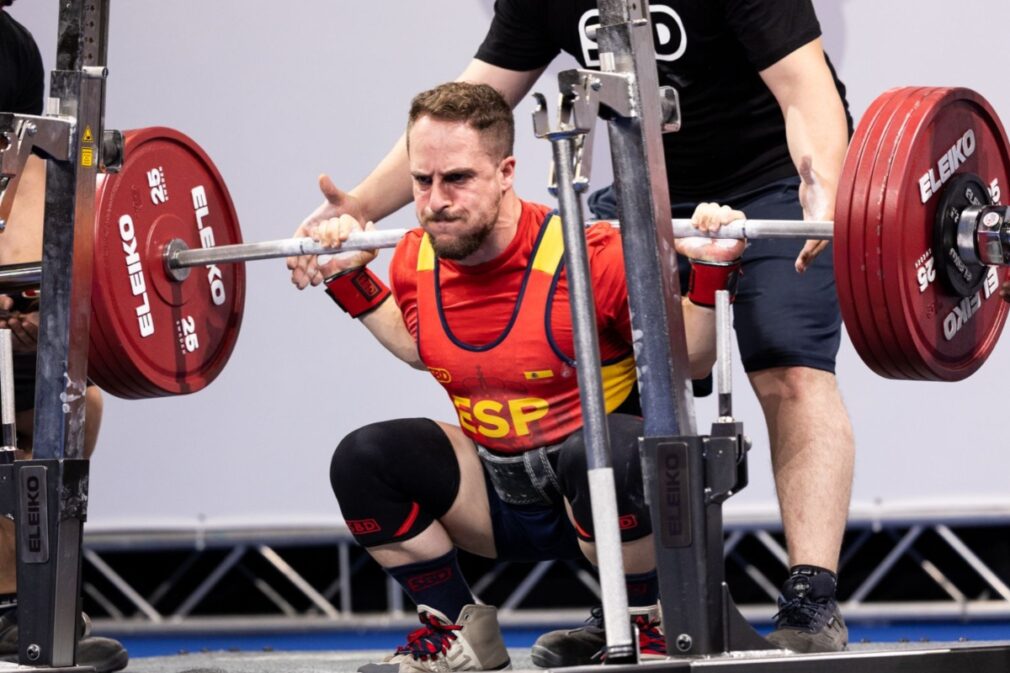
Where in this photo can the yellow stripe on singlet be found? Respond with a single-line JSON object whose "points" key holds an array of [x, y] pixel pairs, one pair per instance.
{"points": [[425, 255], [551, 249], [618, 381]]}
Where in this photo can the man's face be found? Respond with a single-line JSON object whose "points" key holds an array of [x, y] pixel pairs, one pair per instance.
{"points": [[458, 186]]}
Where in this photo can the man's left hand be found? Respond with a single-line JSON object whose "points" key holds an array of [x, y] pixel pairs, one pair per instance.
{"points": [[710, 217]]}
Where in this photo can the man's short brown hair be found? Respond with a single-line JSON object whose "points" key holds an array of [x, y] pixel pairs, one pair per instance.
{"points": [[477, 105]]}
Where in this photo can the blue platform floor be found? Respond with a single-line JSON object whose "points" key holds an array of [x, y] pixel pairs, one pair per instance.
{"points": [[161, 645]]}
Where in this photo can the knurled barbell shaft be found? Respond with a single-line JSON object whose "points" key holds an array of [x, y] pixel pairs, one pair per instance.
{"points": [[24, 276], [388, 238]]}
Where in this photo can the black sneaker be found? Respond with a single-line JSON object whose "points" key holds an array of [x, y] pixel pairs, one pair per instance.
{"points": [[808, 619], [586, 644], [105, 655]]}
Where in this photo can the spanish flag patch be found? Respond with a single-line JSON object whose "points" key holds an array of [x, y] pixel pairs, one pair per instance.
{"points": [[538, 374]]}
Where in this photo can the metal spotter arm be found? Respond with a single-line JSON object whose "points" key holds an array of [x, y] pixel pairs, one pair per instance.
{"points": [[724, 351], [727, 446], [51, 489], [698, 614], [8, 430], [620, 648]]}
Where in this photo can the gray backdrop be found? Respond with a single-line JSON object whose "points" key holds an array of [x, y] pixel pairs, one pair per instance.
{"points": [[277, 93]]}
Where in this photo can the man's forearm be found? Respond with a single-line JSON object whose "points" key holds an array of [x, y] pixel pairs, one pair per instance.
{"points": [[699, 327], [386, 324], [816, 129], [387, 188]]}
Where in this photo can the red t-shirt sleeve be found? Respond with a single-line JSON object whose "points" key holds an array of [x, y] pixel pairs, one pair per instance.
{"points": [[403, 278], [606, 265]]}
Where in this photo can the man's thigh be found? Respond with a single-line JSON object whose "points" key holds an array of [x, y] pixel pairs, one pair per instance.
{"points": [[468, 521]]}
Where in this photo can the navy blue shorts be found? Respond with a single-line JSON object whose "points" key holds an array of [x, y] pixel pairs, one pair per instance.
{"points": [[529, 533], [542, 532], [782, 318]]}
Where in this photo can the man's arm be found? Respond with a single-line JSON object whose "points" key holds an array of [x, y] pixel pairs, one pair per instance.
{"points": [[388, 187], [816, 131], [386, 325], [715, 265], [384, 321]]}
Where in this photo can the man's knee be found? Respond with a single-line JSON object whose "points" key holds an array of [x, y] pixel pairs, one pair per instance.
{"points": [[633, 514], [94, 404], [392, 479], [793, 383]]}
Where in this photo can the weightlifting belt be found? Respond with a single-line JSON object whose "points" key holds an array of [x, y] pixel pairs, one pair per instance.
{"points": [[527, 478]]}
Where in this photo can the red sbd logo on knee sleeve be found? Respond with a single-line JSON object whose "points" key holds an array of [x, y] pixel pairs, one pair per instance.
{"points": [[627, 522], [428, 580], [363, 526]]}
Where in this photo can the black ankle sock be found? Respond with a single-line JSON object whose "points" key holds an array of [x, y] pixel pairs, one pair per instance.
{"points": [[437, 583], [643, 589], [813, 580]]}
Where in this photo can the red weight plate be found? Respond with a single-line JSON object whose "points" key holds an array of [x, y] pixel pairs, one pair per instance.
{"points": [[103, 366], [158, 336], [953, 132], [850, 253], [865, 249], [845, 267], [902, 366]]}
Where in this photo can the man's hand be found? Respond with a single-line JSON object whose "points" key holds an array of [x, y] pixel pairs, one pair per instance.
{"points": [[305, 269], [817, 206], [332, 233], [710, 217], [24, 329]]}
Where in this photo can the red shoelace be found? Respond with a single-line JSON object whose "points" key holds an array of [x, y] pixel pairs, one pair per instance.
{"points": [[430, 640]]}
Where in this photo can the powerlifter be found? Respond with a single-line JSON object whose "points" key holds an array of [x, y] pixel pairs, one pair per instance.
{"points": [[762, 106], [480, 299]]}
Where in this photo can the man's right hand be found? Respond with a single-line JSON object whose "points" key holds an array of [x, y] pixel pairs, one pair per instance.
{"points": [[305, 269]]}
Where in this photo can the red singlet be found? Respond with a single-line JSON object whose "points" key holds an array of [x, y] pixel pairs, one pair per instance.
{"points": [[498, 335]]}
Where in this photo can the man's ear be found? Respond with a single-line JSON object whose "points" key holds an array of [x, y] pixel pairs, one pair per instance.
{"points": [[507, 172]]}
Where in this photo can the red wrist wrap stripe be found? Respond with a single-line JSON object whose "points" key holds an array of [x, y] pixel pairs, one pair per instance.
{"points": [[707, 278], [357, 291]]}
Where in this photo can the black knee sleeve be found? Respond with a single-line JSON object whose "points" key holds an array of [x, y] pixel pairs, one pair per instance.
{"points": [[634, 519], [393, 479]]}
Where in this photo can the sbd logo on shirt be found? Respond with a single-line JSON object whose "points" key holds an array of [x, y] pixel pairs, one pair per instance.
{"points": [[668, 34], [441, 375]]}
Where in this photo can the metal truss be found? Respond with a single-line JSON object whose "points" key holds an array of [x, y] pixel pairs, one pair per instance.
{"points": [[917, 564]]}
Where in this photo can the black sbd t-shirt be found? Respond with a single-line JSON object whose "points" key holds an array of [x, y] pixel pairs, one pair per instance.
{"points": [[733, 134], [22, 78]]}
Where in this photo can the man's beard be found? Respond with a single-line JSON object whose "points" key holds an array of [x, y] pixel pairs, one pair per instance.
{"points": [[461, 246]]}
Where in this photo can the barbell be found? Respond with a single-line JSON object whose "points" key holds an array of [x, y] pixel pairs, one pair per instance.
{"points": [[921, 248]]}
